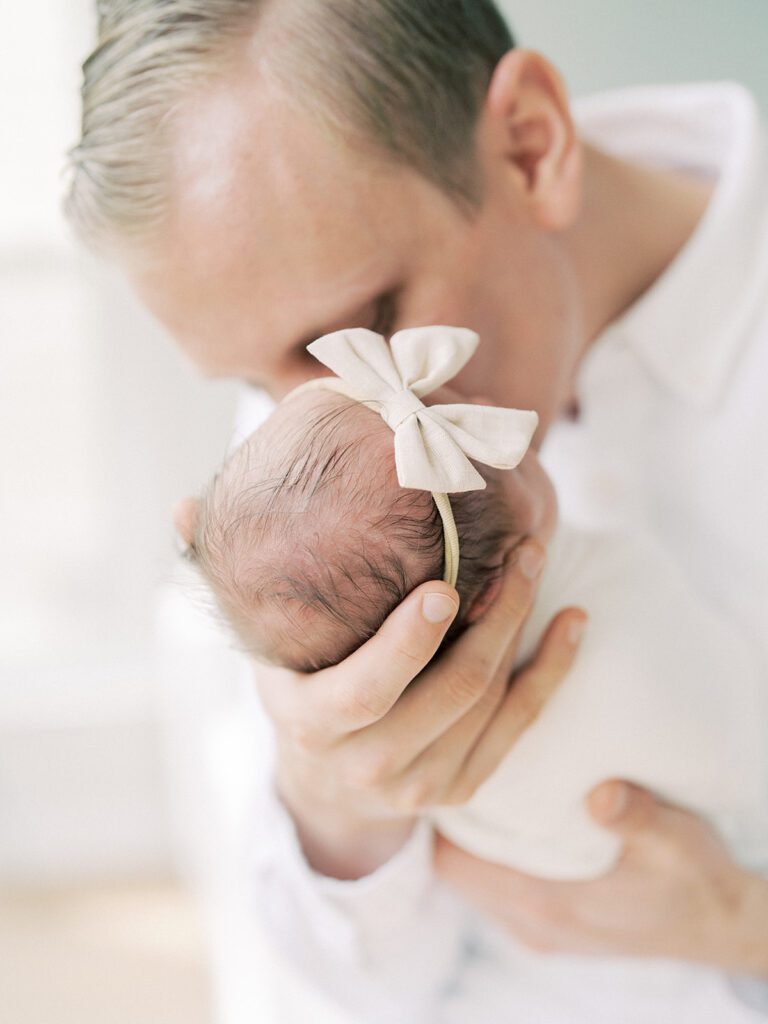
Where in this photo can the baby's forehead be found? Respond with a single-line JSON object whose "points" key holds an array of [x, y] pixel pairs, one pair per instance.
{"points": [[319, 422], [319, 412], [313, 401]]}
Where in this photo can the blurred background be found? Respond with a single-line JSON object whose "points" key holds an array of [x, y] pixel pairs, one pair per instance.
{"points": [[103, 667]]}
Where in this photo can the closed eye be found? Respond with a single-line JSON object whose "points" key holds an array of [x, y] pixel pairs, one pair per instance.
{"points": [[386, 314], [378, 315]]}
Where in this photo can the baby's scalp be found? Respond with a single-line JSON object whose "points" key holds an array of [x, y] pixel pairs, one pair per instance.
{"points": [[308, 542]]}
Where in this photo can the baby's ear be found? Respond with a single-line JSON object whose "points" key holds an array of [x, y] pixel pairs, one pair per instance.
{"points": [[484, 599], [184, 515]]}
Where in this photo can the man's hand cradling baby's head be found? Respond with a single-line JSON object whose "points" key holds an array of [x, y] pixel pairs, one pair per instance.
{"points": [[308, 542]]}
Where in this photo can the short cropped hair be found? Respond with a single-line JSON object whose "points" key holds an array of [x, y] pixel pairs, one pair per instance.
{"points": [[407, 76]]}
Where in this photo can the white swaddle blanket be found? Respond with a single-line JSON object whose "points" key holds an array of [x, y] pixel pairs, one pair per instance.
{"points": [[663, 693]]}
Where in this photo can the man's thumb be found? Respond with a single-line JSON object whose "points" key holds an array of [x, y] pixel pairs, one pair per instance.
{"points": [[623, 807]]}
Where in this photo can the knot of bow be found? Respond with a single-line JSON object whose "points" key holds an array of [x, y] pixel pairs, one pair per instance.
{"points": [[433, 444]]}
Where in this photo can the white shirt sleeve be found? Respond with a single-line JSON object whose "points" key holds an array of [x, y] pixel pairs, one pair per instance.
{"points": [[382, 948], [752, 992]]}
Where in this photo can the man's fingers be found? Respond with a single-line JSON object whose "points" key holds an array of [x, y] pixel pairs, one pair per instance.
{"points": [[469, 874], [468, 669], [363, 688], [323, 706], [624, 808], [529, 565], [492, 639], [535, 909], [427, 773], [652, 830], [482, 881], [528, 693]]}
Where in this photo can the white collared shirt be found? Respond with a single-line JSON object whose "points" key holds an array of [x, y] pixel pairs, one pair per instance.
{"points": [[674, 395], [673, 438]]}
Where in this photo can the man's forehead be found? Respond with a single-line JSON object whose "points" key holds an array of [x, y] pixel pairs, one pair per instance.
{"points": [[243, 153], [236, 323], [275, 228]]}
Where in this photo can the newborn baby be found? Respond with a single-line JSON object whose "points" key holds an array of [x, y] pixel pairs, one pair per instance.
{"points": [[308, 540]]}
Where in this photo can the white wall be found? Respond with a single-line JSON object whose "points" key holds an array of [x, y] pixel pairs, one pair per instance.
{"points": [[599, 44], [102, 427]]}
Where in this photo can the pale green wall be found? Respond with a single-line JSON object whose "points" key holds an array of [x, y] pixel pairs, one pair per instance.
{"points": [[599, 44]]}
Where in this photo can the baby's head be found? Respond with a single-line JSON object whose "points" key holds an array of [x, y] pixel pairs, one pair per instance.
{"points": [[308, 542]]}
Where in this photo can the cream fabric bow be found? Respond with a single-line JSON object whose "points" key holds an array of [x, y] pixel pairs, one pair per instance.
{"points": [[433, 444]]}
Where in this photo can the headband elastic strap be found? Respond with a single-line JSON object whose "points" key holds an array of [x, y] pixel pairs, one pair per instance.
{"points": [[451, 537], [450, 534]]}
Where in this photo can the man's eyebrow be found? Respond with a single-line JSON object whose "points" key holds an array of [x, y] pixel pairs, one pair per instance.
{"points": [[347, 320], [374, 313], [369, 313]]}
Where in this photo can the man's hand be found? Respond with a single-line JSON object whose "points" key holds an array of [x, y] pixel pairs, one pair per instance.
{"points": [[360, 755], [675, 892]]}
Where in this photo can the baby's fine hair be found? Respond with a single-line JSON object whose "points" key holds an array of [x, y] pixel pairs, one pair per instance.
{"points": [[308, 542]]}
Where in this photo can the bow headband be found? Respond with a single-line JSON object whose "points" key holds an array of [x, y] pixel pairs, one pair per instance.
{"points": [[433, 444]]}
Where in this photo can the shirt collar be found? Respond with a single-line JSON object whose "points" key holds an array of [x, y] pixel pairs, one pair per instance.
{"points": [[689, 326]]}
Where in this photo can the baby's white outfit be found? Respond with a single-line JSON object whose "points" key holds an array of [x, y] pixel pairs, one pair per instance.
{"points": [[663, 692]]}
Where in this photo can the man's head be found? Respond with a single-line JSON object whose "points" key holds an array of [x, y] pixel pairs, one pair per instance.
{"points": [[308, 542], [281, 170]]}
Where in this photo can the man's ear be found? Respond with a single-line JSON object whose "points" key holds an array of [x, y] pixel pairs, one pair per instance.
{"points": [[184, 515], [527, 121]]}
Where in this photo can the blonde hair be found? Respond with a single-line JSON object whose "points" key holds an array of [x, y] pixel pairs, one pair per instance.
{"points": [[408, 76]]}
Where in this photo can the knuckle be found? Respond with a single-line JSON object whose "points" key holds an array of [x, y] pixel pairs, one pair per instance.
{"points": [[529, 695], [371, 772], [514, 608], [483, 667], [667, 854], [365, 705], [465, 687], [528, 707], [492, 696], [410, 657], [461, 793], [556, 661], [417, 795], [522, 601], [303, 737]]}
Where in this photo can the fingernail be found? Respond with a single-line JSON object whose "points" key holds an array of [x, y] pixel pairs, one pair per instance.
{"points": [[437, 607], [531, 561], [576, 629]]}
